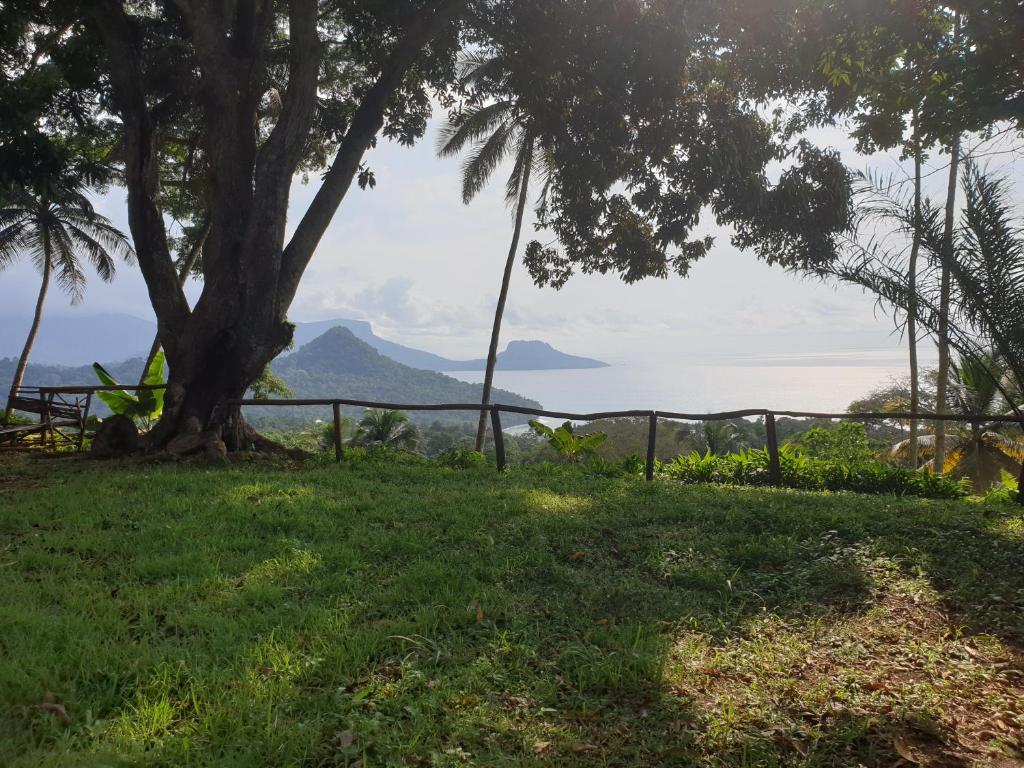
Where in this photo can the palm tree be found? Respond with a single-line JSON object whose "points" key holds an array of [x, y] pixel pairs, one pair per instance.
{"points": [[56, 230], [387, 429], [975, 450], [985, 266], [715, 437], [492, 131]]}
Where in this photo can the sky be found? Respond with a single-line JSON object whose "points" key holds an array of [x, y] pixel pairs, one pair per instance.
{"points": [[425, 270]]}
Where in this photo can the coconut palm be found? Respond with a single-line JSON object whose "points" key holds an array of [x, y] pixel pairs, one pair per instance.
{"points": [[56, 231], [387, 429], [492, 131], [976, 450]]}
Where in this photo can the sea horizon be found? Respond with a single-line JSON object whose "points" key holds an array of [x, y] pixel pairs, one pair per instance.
{"points": [[710, 382]]}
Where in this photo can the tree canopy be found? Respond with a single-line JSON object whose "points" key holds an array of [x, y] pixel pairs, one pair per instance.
{"points": [[206, 110]]}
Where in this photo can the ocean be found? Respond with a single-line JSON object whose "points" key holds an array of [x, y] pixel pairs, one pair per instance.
{"points": [[818, 382]]}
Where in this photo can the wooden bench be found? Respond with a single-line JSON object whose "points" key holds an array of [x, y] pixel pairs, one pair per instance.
{"points": [[62, 415]]}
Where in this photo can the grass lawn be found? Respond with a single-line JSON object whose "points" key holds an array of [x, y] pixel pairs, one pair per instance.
{"points": [[387, 612]]}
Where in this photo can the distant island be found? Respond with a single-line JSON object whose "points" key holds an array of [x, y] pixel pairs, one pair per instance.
{"points": [[67, 340], [518, 355], [530, 356]]}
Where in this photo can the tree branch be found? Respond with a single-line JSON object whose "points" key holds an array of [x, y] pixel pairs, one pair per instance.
{"points": [[279, 155], [366, 123], [145, 220]]}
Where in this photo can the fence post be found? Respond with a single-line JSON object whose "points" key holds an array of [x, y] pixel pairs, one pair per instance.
{"points": [[499, 438], [774, 468], [337, 430], [652, 434]]}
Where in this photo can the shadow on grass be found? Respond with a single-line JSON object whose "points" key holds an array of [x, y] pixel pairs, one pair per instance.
{"points": [[411, 615]]}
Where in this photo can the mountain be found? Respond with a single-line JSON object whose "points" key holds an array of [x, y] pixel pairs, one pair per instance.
{"points": [[73, 340], [337, 364], [362, 330]]}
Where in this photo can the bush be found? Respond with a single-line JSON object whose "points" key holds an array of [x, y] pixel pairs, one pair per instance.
{"points": [[1003, 492], [845, 442], [458, 457], [628, 466], [811, 474]]}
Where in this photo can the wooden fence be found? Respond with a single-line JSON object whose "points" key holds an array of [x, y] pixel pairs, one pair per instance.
{"points": [[495, 410]]}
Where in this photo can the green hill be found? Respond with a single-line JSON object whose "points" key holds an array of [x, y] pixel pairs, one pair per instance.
{"points": [[337, 364]]}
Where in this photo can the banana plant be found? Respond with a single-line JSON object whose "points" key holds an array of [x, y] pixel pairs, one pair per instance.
{"points": [[573, 448], [146, 405]]}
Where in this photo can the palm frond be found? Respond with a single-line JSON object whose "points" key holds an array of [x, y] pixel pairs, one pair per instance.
{"points": [[69, 275], [476, 68], [102, 231], [1005, 444], [484, 158], [98, 256], [520, 168], [15, 238], [472, 125]]}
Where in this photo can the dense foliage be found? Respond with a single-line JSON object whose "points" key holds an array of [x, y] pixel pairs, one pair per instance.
{"points": [[750, 467]]}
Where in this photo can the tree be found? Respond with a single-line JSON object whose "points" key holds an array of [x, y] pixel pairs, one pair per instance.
{"points": [[715, 437], [986, 269], [388, 429], [846, 443], [56, 231], [250, 94], [977, 450], [225, 103], [493, 130], [985, 264]]}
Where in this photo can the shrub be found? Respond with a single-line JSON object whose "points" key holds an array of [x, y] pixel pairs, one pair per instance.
{"points": [[570, 446], [846, 442], [458, 457], [1005, 491], [812, 474], [627, 466]]}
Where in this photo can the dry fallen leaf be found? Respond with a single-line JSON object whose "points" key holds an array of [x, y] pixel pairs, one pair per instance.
{"points": [[905, 752]]}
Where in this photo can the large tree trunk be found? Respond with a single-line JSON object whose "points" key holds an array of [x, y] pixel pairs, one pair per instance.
{"points": [[944, 292], [33, 331], [492, 350], [915, 248], [226, 355]]}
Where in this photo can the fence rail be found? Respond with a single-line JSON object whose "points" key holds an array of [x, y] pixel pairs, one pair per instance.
{"points": [[496, 409]]}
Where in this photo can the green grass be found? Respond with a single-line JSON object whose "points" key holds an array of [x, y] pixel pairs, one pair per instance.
{"points": [[400, 613]]}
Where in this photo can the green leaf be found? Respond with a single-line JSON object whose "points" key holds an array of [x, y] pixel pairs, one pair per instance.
{"points": [[151, 401], [119, 401]]}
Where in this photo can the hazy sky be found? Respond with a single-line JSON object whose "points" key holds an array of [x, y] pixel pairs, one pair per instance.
{"points": [[425, 269]]}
